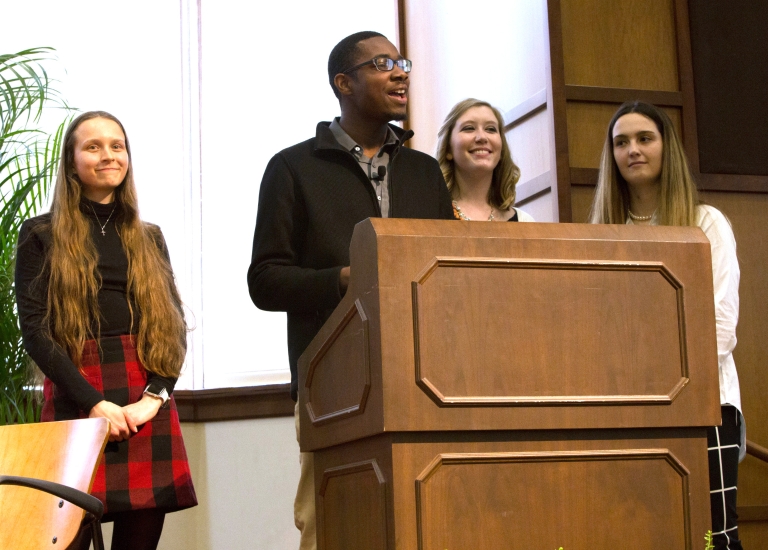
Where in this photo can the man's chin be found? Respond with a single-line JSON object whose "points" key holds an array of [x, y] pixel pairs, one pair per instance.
{"points": [[397, 117]]}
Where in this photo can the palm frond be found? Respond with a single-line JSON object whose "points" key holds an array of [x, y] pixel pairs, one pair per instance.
{"points": [[29, 158]]}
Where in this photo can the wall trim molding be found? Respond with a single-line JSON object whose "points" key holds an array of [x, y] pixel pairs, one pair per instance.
{"points": [[525, 109], [601, 94], [532, 188], [244, 403], [584, 176], [752, 513], [705, 182], [732, 182]]}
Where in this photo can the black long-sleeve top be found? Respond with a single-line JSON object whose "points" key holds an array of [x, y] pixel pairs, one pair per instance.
{"points": [[32, 291]]}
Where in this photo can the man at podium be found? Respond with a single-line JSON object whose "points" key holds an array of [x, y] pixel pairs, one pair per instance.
{"points": [[314, 193]]}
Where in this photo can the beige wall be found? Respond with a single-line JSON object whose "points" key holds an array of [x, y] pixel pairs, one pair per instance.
{"points": [[245, 473]]}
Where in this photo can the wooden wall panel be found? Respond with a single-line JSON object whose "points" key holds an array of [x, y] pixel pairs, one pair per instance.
{"points": [[587, 123], [731, 74], [620, 44], [753, 534], [582, 201], [610, 52], [747, 213]]}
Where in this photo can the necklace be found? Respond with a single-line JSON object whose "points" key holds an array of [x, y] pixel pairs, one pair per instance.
{"points": [[637, 218], [463, 216], [98, 221]]}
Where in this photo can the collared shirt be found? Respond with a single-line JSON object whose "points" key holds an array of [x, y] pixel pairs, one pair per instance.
{"points": [[370, 165]]}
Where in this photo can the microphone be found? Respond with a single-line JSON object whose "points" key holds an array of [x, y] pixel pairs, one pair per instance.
{"points": [[381, 175]]}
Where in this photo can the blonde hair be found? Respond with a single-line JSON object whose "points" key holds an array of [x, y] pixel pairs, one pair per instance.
{"points": [[679, 196], [74, 281], [506, 174]]}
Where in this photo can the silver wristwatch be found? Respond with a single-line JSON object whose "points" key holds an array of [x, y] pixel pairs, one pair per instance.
{"points": [[162, 394]]}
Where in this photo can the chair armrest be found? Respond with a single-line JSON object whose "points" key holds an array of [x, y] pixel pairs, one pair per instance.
{"points": [[89, 503]]}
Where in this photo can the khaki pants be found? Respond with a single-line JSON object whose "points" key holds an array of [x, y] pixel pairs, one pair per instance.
{"points": [[304, 505]]}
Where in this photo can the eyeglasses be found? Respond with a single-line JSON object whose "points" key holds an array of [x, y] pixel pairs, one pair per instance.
{"points": [[384, 64]]}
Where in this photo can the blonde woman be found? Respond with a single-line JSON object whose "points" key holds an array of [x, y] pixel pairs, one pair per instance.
{"points": [[474, 156], [101, 317], [644, 179]]}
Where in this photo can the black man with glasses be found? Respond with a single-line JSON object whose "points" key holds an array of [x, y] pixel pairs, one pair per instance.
{"points": [[313, 193]]}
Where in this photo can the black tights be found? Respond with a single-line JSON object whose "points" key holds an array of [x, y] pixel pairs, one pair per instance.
{"points": [[135, 530]]}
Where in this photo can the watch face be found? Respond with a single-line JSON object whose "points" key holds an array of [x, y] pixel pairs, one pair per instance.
{"points": [[161, 394]]}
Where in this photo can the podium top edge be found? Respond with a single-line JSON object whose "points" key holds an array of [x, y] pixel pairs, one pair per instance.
{"points": [[530, 230]]}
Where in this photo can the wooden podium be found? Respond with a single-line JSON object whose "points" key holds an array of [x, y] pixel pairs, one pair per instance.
{"points": [[520, 385]]}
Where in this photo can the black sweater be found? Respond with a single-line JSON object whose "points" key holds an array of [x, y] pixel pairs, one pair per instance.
{"points": [[311, 197], [32, 292]]}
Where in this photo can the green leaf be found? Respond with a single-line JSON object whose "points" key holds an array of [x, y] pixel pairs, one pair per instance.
{"points": [[29, 159]]}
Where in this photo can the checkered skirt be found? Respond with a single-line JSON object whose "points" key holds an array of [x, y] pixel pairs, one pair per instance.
{"points": [[148, 470]]}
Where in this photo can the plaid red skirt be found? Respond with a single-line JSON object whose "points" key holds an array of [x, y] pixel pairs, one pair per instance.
{"points": [[148, 470]]}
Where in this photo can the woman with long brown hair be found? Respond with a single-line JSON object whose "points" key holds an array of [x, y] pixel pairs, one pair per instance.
{"points": [[101, 316], [644, 179], [474, 156]]}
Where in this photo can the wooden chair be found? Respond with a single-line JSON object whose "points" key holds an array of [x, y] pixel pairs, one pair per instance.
{"points": [[46, 472]]}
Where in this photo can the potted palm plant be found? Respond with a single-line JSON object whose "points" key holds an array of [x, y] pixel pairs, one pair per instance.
{"points": [[28, 162]]}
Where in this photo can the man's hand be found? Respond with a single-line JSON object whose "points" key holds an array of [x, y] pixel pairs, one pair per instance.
{"points": [[344, 279], [119, 426]]}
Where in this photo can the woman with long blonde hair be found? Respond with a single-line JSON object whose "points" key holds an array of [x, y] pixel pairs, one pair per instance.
{"points": [[101, 316], [644, 179], [474, 156]]}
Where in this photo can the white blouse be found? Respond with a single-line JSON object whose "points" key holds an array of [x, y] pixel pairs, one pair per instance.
{"points": [[523, 216], [725, 273]]}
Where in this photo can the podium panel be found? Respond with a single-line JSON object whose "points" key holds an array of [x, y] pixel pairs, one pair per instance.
{"points": [[591, 350], [347, 345], [356, 491], [459, 492], [590, 490]]}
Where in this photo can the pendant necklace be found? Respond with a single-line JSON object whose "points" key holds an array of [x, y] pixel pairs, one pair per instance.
{"points": [[98, 221]]}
